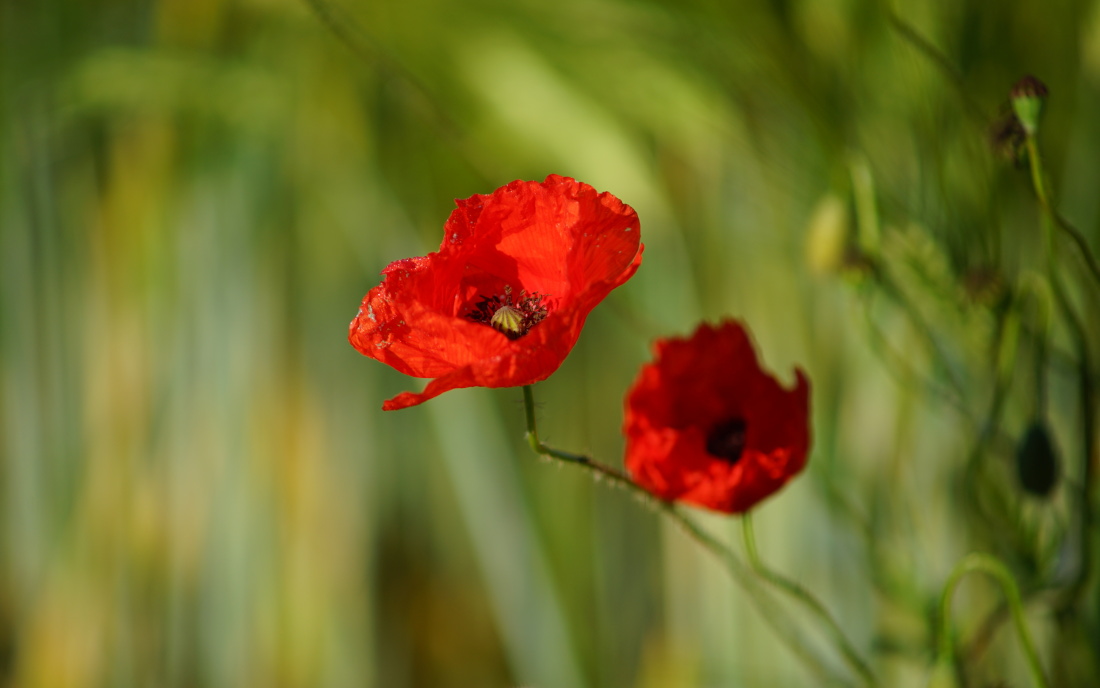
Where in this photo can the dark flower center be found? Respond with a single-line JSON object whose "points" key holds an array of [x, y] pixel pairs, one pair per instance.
{"points": [[513, 317], [726, 440]]}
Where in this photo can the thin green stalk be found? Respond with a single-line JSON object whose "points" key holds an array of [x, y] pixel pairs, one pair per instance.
{"points": [[780, 622], [1035, 165], [1038, 182], [365, 47], [1086, 399], [787, 631], [991, 565], [923, 45], [805, 597], [613, 475], [1086, 396], [910, 34], [1079, 240]]}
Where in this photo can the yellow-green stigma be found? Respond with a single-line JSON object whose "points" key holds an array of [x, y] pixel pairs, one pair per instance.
{"points": [[508, 320], [512, 317]]}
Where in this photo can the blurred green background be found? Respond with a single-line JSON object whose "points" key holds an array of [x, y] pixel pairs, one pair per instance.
{"points": [[197, 484]]}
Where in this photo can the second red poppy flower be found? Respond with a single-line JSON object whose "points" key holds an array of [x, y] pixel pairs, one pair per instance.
{"points": [[706, 425]]}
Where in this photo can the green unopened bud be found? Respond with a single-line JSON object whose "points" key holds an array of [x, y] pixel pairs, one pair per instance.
{"points": [[1037, 461], [509, 321], [1028, 96]]}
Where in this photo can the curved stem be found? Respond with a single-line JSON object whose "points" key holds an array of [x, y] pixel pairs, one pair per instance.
{"points": [[805, 597], [787, 631], [992, 566], [612, 474]]}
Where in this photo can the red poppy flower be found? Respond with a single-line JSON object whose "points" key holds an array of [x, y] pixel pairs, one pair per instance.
{"points": [[503, 301], [706, 425]]}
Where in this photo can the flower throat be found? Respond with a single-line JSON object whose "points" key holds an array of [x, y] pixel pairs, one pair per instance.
{"points": [[726, 440], [511, 317]]}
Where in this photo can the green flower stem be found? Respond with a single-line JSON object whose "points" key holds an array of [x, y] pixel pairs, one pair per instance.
{"points": [[787, 631], [1037, 177], [914, 38], [1086, 395], [991, 565], [804, 596], [615, 476], [1038, 182]]}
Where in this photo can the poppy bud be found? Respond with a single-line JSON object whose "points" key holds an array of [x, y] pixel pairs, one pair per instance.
{"points": [[1028, 96], [1037, 461]]}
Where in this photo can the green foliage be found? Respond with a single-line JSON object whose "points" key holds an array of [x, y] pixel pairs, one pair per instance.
{"points": [[197, 486]]}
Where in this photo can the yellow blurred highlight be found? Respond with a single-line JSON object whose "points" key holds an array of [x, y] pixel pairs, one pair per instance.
{"points": [[828, 235]]}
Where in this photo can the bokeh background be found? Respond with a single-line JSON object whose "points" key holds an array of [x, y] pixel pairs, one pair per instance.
{"points": [[197, 484]]}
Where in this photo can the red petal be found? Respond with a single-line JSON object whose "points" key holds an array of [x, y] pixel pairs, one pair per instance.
{"points": [[528, 360], [397, 325], [559, 238], [692, 385]]}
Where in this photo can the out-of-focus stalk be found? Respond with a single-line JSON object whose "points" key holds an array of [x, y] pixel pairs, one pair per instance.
{"points": [[780, 622], [790, 587], [992, 566]]}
